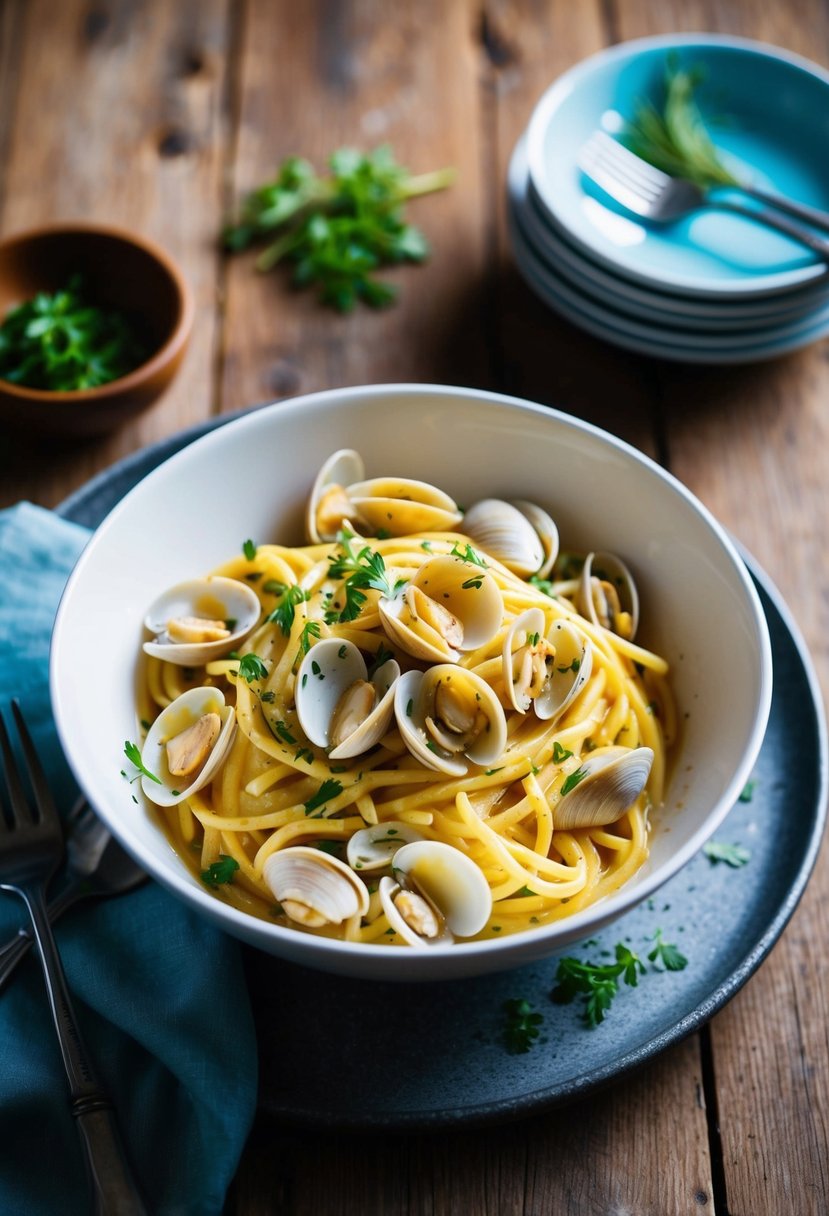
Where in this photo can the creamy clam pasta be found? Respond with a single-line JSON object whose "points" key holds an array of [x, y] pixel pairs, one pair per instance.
{"points": [[422, 726]]}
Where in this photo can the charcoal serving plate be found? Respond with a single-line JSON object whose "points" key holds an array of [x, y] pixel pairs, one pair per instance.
{"points": [[357, 1053]]}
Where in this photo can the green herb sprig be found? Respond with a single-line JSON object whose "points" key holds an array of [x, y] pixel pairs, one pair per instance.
{"points": [[220, 871], [133, 754], [64, 342], [734, 855], [339, 228], [522, 1026], [674, 137], [360, 570], [599, 983]]}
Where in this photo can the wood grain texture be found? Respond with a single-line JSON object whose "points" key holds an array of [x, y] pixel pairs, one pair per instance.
{"points": [[118, 116], [362, 74], [751, 443]]}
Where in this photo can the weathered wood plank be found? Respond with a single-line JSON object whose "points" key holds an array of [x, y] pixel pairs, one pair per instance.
{"points": [[361, 74], [751, 443], [118, 116]]}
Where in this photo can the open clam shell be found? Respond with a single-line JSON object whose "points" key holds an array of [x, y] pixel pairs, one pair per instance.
{"points": [[314, 888], [338, 707], [374, 847], [546, 530], [436, 895], [569, 673], [450, 606], [505, 533], [448, 715], [607, 594], [614, 777], [544, 672], [401, 506], [197, 705], [329, 505], [201, 620]]}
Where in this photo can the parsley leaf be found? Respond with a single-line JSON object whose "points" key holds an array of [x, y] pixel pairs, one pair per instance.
{"points": [[522, 1026], [337, 229], [666, 954], [599, 983], [747, 792], [572, 781], [543, 585], [220, 871], [249, 549], [251, 668], [329, 789], [733, 855], [560, 754], [467, 554], [285, 611], [133, 754], [311, 629], [360, 570]]}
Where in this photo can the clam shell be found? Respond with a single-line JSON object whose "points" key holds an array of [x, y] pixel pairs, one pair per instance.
{"points": [[450, 883], [546, 531], [571, 670], [318, 882], [467, 591], [525, 625], [615, 777], [414, 703], [505, 533], [606, 567], [400, 506], [340, 469], [210, 598], [374, 847], [328, 670], [178, 716]]}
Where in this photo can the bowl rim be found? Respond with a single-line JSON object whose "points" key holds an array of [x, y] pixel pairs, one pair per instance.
{"points": [[171, 347], [322, 952], [548, 103]]}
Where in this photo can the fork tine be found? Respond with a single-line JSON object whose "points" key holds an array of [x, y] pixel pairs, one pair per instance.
{"points": [[43, 795], [17, 803], [628, 162], [596, 160]]}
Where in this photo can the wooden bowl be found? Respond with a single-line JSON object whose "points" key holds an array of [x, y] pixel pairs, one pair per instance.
{"points": [[120, 269]]}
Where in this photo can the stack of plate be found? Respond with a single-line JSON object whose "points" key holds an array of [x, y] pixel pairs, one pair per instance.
{"points": [[711, 288]]}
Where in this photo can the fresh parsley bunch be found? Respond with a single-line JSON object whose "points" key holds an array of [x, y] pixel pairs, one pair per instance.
{"points": [[64, 343], [337, 229]]}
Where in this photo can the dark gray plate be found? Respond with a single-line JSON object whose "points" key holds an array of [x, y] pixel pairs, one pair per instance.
{"points": [[359, 1054]]}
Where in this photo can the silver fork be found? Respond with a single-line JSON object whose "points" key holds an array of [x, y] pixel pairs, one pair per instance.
{"points": [[654, 195], [96, 865], [31, 849]]}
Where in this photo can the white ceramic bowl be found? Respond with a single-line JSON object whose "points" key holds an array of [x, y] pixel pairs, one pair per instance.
{"points": [[251, 479]]}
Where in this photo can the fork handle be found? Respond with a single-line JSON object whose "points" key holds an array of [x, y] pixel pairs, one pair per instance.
{"points": [[801, 211], [114, 1188], [772, 219]]}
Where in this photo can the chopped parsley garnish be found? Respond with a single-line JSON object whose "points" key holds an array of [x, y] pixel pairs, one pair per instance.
{"points": [[306, 754], [733, 855], [747, 792], [380, 658], [285, 611], [249, 549], [477, 583], [65, 342], [572, 781], [467, 554], [281, 731], [311, 629], [560, 754], [251, 668], [543, 585], [360, 570], [267, 696], [665, 955], [599, 983], [220, 871], [329, 789], [574, 667], [133, 754]]}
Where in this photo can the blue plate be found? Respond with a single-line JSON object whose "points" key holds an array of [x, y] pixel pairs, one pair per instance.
{"points": [[766, 93], [646, 303], [658, 341]]}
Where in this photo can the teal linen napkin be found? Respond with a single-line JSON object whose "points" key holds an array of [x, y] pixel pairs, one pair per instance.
{"points": [[160, 995]]}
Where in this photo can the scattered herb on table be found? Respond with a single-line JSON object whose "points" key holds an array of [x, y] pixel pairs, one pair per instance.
{"points": [[673, 136], [665, 955], [747, 792], [64, 342], [733, 855], [598, 983], [133, 754], [339, 228], [522, 1026], [220, 871]]}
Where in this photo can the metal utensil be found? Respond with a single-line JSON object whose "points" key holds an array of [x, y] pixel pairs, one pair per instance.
{"points": [[654, 195], [96, 866], [31, 849]]}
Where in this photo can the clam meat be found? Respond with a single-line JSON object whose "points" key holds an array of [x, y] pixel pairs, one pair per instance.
{"points": [[196, 622], [545, 672], [436, 894], [448, 607], [607, 594], [448, 715], [187, 745], [338, 706]]}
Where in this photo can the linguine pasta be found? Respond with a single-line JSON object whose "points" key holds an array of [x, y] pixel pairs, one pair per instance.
{"points": [[277, 789]]}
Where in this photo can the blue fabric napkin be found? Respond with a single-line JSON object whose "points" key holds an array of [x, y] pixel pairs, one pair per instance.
{"points": [[160, 995]]}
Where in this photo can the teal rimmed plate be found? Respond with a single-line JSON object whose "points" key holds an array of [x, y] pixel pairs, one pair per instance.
{"points": [[768, 111]]}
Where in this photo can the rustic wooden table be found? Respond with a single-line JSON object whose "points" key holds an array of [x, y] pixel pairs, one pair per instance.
{"points": [[158, 116]]}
